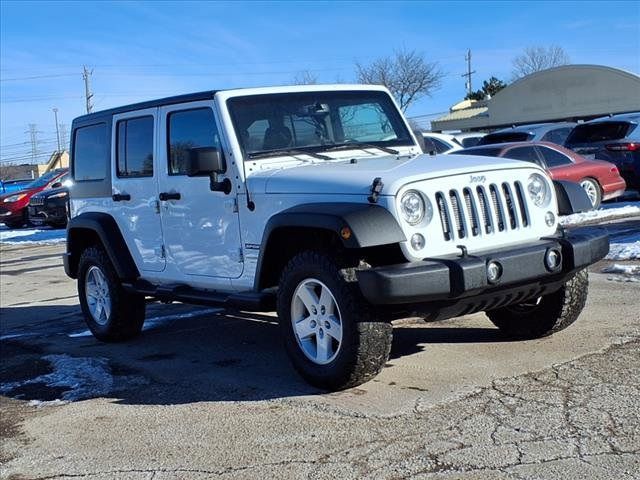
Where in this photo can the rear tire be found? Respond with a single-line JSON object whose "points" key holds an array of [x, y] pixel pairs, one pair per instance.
{"points": [[332, 335], [111, 313], [550, 314], [593, 191]]}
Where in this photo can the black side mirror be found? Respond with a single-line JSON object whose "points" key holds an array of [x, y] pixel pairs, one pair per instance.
{"points": [[56, 185], [429, 146], [209, 161], [205, 161]]}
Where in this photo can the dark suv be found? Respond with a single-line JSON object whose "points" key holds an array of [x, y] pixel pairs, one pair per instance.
{"points": [[538, 132], [615, 139], [51, 207]]}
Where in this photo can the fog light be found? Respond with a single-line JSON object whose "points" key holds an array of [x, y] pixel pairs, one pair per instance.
{"points": [[417, 241], [552, 259], [494, 271], [549, 219]]}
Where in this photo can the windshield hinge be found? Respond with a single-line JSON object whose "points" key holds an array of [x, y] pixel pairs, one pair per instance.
{"points": [[376, 188]]}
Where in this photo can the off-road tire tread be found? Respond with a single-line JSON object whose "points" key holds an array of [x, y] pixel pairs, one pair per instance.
{"points": [[127, 309], [370, 345], [556, 312]]}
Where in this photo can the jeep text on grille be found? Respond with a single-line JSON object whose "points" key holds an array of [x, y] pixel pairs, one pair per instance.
{"points": [[315, 201]]}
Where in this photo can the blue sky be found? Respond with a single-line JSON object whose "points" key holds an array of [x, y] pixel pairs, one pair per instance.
{"points": [[147, 50]]}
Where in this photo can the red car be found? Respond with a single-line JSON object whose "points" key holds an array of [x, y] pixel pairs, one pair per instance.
{"points": [[601, 180], [13, 206]]}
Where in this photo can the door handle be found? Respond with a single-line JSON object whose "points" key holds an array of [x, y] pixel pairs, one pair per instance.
{"points": [[119, 197], [164, 196]]}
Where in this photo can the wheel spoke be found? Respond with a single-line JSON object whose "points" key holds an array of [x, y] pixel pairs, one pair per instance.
{"points": [[106, 307], [326, 300], [92, 290], [303, 328], [324, 350], [335, 329], [308, 297], [98, 311]]}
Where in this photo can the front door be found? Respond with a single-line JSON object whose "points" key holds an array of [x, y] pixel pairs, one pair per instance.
{"points": [[135, 187], [201, 228]]}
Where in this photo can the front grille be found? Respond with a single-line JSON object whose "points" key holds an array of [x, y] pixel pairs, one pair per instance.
{"points": [[482, 210], [36, 201]]}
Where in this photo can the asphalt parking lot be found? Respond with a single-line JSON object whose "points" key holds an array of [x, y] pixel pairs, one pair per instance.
{"points": [[210, 394]]}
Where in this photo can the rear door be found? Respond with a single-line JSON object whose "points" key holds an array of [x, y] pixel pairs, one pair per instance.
{"points": [[201, 227], [135, 187]]}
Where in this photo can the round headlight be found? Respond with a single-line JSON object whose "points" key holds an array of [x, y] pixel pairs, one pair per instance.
{"points": [[538, 189], [412, 207]]}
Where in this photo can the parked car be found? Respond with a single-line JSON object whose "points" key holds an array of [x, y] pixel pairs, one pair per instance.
{"points": [[13, 206], [600, 180], [11, 186], [316, 201], [538, 132], [615, 139], [51, 206], [442, 142], [468, 139]]}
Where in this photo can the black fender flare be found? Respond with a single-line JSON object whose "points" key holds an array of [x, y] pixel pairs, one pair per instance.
{"points": [[571, 198], [106, 229], [357, 225]]}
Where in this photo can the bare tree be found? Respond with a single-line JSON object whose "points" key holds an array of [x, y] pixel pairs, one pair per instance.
{"points": [[305, 77], [405, 73], [534, 59]]}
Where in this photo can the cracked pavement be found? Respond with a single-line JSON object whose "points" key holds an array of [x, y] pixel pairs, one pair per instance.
{"points": [[213, 396]]}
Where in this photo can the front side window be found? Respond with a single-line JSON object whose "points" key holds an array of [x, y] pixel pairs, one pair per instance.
{"points": [[134, 154], [554, 158], [314, 121], [90, 153], [190, 129]]}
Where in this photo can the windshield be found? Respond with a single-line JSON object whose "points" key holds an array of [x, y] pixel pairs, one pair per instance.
{"points": [[43, 180], [504, 137], [314, 121]]}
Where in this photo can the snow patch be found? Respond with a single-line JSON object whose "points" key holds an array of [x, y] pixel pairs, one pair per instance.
{"points": [[625, 269], [84, 377], [609, 211], [155, 322], [32, 235]]}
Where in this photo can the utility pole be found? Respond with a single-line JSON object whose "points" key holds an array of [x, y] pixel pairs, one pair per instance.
{"points": [[63, 136], [467, 57], [55, 112], [86, 76], [33, 133]]}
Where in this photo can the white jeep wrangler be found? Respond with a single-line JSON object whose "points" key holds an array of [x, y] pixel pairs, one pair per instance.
{"points": [[316, 201]]}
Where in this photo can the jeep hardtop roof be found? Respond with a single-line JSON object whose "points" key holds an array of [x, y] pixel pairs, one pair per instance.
{"points": [[209, 94], [188, 97]]}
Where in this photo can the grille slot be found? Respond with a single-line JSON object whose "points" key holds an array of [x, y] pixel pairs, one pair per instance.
{"points": [[478, 211]]}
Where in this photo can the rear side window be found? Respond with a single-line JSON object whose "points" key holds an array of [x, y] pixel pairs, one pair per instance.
{"points": [[90, 153], [528, 154], [554, 158], [441, 146], [134, 154], [557, 136], [190, 129], [599, 132], [505, 137], [470, 141], [484, 152]]}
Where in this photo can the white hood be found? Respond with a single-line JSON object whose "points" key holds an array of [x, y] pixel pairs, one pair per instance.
{"points": [[343, 177]]}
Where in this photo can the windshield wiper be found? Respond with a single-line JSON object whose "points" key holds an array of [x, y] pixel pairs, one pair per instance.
{"points": [[360, 146], [291, 151]]}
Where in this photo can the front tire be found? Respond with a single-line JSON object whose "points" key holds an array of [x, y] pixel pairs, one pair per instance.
{"points": [[331, 334], [546, 315], [111, 313]]}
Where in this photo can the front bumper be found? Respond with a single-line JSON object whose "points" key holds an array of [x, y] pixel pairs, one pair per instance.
{"points": [[459, 278]]}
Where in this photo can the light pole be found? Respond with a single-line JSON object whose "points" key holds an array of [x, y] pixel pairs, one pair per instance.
{"points": [[55, 112]]}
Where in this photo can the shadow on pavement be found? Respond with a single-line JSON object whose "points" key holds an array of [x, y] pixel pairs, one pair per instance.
{"points": [[226, 356]]}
